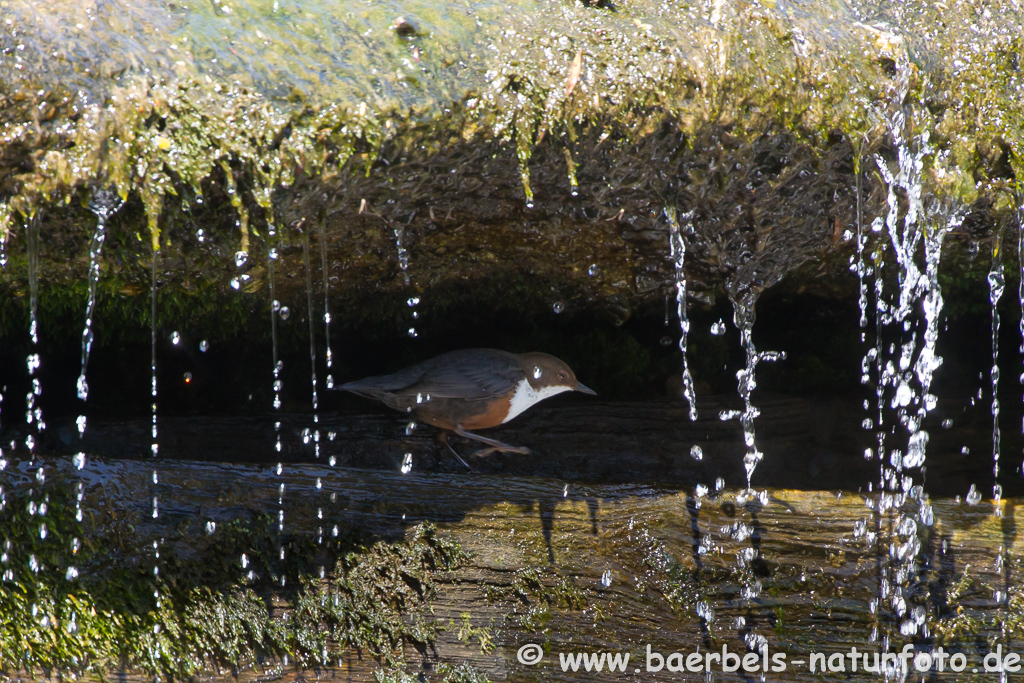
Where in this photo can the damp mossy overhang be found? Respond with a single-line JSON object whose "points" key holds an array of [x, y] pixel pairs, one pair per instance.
{"points": [[335, 127]]}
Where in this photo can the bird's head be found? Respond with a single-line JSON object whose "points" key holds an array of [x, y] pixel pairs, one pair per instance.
{"points": [[547, 372]]}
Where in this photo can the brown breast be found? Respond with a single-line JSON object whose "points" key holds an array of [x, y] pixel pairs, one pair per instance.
{"points": [[468, 414]]}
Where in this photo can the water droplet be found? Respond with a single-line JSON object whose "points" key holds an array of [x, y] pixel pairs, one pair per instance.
{"points": [[204, 346], [696, 452], [593, 270], [413, 333], [200, 235], [272, 254], [718, 328], [407, 463], [413, 301], [188, 378], [667, 341], [719, 484], [235, 284], [285, 313], [175, 338], [606, 578], [211, 527], [558, 306], [71, 574], [78, 460], [240, 258], [973, 496]]}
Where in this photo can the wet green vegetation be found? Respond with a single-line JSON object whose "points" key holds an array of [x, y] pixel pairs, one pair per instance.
{"points": [[91, 597]]}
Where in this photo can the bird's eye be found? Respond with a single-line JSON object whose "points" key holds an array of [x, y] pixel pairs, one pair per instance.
{"points": [[562, 375]]}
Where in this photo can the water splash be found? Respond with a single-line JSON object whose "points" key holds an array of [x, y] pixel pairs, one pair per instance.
{"points": [[678, 247], [912, 226], [996, 285]]}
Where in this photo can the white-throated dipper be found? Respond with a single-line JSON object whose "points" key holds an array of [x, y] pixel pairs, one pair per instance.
{"points": [[471, 389]]}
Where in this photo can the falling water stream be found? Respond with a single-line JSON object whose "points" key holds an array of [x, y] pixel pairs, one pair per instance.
{"points": [[276, 309], [677, 242], [996, 285]]}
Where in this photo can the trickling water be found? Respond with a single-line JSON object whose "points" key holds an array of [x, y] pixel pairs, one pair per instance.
{"points": [[33, 412], [1020, 284], [312, 344], [327, 305], [155, 445], [104, 204], [996, 285], [403, 254], [743, 318], [278, 365], [403, 265], [678, 246], [570, 165]]}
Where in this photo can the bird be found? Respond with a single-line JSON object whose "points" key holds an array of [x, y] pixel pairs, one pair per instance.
{"points": [[471, 389]]}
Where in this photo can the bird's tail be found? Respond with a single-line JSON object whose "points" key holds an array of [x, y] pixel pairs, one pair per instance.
{"points": [[364, 389]]}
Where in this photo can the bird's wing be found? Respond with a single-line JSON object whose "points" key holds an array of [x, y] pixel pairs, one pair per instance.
{"points": [[470, 374]]}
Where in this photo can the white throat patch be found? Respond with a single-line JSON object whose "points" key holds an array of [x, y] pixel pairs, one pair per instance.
{"points": [[526, 396]]}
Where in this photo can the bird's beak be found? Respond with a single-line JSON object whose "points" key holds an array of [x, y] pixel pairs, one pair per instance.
{"points": [[584, 389]]}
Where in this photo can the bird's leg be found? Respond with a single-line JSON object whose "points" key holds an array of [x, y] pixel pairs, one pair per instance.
{"points": [[443, 438], [495, 445]]}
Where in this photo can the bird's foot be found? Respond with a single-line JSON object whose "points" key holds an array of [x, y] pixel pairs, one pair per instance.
{"points": [[443, 438], [494, 444], [522, 450]]}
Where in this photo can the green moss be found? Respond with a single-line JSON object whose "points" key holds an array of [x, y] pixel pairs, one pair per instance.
{"points": [[204, 609]]}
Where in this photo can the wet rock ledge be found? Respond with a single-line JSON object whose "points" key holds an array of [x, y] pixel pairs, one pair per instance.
{"points": [[539, 138]]}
